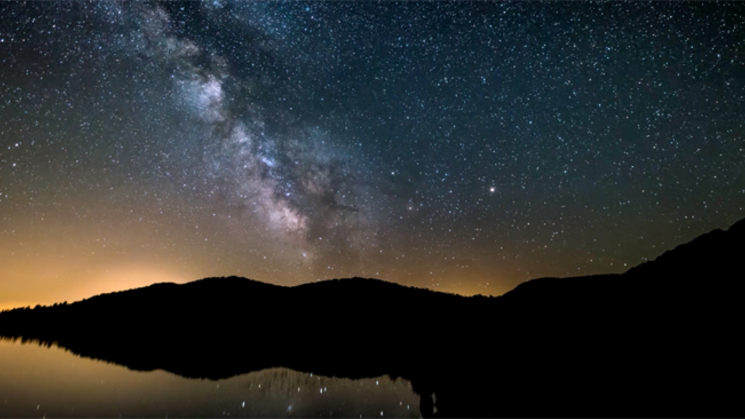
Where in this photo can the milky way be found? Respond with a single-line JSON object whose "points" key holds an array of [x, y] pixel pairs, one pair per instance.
{"points": [[458, 146]]}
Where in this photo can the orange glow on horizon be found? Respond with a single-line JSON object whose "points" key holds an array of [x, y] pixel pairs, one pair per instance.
{"points": [[71, 288]]}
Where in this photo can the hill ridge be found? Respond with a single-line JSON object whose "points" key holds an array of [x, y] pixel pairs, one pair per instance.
{"points": [[602, 331]]}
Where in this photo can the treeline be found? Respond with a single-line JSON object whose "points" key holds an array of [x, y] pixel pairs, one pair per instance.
{"points": [[37, 307]]}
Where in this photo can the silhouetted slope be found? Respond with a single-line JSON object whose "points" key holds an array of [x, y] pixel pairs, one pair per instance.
{"points": [[661, 339], [704, 278], [709, 259], [667, 328]]}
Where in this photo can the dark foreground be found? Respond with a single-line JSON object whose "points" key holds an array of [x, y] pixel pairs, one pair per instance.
{"points": [[660, 340]]}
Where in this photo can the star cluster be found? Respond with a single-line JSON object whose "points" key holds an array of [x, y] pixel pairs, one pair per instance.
{"points": [[464, 147]]}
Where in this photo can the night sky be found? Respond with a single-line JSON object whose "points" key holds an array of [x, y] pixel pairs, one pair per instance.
{"points": [[461, 147]]}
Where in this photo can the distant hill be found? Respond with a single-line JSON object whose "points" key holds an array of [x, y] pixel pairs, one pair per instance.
{"points": [[165, 325], [661, 339]]}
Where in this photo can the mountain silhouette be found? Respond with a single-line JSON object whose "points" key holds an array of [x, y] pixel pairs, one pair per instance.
{"points": [[661, 339]]}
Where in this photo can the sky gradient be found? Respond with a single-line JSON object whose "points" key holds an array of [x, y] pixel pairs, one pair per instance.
{"points": [[460, 147]]}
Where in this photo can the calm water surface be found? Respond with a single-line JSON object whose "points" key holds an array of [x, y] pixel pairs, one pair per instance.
{"points": [[42, 382]]}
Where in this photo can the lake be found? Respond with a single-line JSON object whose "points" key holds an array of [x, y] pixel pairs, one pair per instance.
{"points": [[40, 381]]}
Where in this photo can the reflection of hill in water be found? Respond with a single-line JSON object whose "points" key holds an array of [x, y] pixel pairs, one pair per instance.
{"points": [[600, 345], [64, 385]]}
